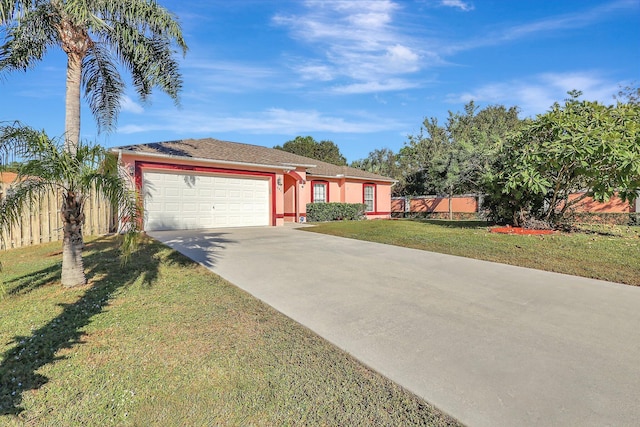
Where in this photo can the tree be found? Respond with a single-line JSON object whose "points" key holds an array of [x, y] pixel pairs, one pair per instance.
{"points": [[454, 158], [97, 36], [382, 162], [47, 166], [582, 146], [325, 151], [629, 94]]}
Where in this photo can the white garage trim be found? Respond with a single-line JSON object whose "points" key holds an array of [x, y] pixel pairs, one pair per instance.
{"points": [[176, 198]]}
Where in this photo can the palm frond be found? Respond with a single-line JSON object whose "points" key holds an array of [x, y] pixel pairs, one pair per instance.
{"points": [[143, 36], [16, 141], [103, 86], [28, 40], [13, 9], [147, 16], [150, 61], [21, 197]]}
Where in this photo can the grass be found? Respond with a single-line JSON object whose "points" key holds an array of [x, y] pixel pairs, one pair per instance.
{"points": [[601, 252], [164, 342]]}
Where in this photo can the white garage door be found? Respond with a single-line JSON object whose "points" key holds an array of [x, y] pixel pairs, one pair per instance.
{"points": [[178, 201]]}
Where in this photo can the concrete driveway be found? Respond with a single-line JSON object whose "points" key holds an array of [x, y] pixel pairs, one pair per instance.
{"points": [[490, 344]]}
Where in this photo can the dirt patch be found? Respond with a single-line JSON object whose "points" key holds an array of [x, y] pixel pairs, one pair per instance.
{"points": [[520, 230]]}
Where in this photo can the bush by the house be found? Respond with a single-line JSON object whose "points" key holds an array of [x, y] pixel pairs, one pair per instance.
{"points": [[318, 212]]}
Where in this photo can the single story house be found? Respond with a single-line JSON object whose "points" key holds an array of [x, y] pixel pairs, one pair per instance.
{"points": [[208, 183]]}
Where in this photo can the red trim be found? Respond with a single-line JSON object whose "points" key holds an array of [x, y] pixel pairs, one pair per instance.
{"points": [[279, 216], [375, 196], [377, 213], [139, 165], [295, 176], [289, 214], [326, 193]]}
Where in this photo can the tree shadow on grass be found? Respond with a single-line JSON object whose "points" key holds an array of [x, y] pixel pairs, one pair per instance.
{"points": [[27, 283], [106, 276]]}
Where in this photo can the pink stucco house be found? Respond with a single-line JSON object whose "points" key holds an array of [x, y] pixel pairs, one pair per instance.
{"points": [[208, 183]]}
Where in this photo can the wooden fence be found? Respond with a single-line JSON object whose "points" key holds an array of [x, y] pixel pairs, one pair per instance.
{"points": [[42, 223]]}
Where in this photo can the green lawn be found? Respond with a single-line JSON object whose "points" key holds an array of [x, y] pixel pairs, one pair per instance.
{"points": [[164, 342], [608, 253]]}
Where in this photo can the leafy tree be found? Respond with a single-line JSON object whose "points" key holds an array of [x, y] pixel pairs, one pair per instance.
{"points": [[325, 151], [580, 146], [382, 162], [97, 36], [629, 94], [47, 166], [454, 158]]}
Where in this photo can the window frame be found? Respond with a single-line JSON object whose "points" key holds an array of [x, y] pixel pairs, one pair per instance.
{"points": [[374, 195], [325, 184]]}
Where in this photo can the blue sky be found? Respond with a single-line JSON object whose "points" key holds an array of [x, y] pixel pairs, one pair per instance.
{"points": [[362, 73]]}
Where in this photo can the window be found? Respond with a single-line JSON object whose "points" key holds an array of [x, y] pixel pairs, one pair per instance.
{"points": [[369, 197], [320, 192]]}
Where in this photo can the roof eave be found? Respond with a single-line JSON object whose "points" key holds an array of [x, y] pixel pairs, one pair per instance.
{"points": [[359, 178], [281, 166]]}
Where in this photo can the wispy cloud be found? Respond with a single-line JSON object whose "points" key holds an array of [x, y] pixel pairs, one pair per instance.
{"points": [[544, 27], [130, 106], [375, 86], [230, 77], [536, 94], [462, 5], [356, 41], [271, 121]]}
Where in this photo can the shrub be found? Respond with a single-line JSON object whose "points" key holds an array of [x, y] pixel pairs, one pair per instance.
{"points": [[318, 212]]}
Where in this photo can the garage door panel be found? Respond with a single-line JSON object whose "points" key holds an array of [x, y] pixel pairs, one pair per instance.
{"points": [[188, 201]]}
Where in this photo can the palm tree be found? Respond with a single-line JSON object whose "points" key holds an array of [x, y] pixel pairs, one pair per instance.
{"points": [[97, 36], [47, 166]]}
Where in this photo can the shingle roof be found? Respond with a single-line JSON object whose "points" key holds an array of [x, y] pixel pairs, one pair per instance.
{"points": [[226, 151]]}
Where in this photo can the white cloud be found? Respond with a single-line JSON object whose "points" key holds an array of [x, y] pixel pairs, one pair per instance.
{"points": [[536, 94], [356, 41], [270, 121], [230, 77], [128, 105], [462, 5], [543, 27], [375, 86], [315, 71]]}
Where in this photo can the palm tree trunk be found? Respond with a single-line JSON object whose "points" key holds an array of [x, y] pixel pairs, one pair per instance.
{"points": [[72, 243], [72, 103]]}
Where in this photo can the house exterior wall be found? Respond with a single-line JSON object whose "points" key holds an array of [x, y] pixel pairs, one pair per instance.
{"points": [[139, 164], [285, 206], [350, 190]]}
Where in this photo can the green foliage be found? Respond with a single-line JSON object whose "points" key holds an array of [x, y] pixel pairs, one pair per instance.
{"points": [[629, 94], [320, 212], [140, 35], [47, 166], [580, 146], [454, 158], [380, 161], [325, 151]]}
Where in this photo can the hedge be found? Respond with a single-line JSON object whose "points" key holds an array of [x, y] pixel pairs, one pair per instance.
{"points": [[319, 212]]}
